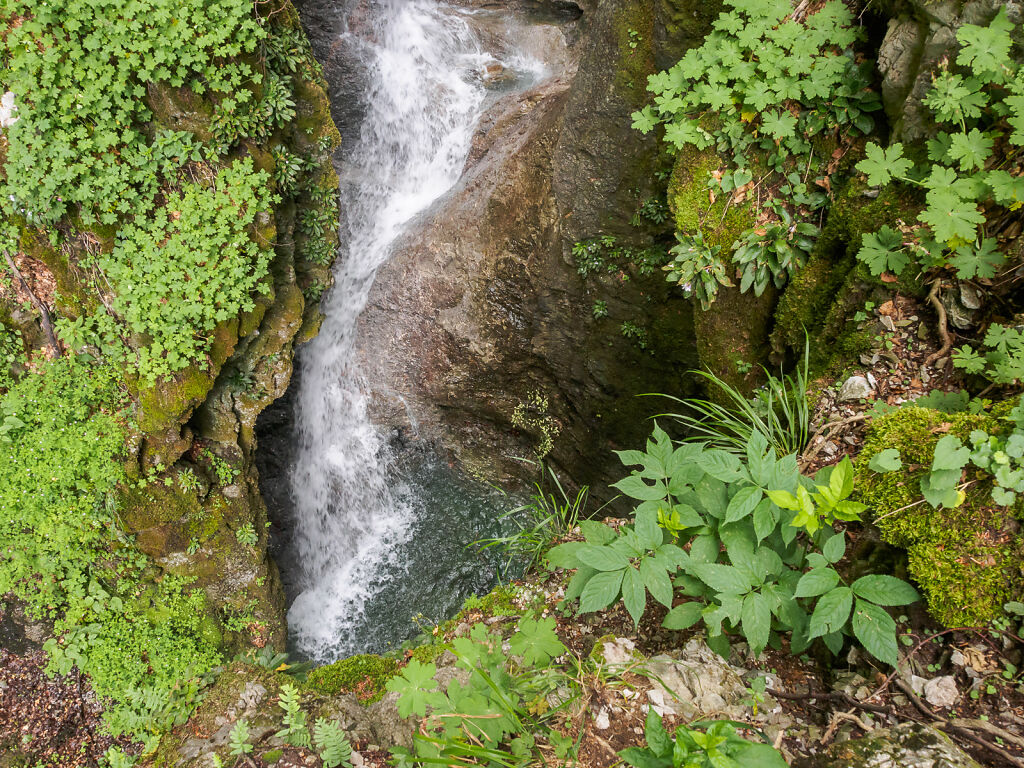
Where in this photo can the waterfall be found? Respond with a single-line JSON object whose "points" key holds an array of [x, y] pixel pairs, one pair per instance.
{"points": [[352, 517]]}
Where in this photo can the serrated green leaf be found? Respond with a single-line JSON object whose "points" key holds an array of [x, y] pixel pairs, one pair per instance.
{"points": [[683, 616], [884, 590], [601, 591], [831, 612], [816, 581], [876, 631]]}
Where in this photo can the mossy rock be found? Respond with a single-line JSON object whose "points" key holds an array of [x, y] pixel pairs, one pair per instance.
{"points": [[822, 295], [967, 560], [690, 201], [365, 675]]}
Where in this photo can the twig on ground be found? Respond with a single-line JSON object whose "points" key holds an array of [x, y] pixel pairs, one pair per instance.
{"points": [[837, 718], [811, 452], [938, 721]]}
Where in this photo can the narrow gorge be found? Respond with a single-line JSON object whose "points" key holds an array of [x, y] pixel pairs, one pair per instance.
{"points": [[511, 383]]}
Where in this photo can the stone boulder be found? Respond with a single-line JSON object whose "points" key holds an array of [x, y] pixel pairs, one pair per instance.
{"points": [[909, 745]]}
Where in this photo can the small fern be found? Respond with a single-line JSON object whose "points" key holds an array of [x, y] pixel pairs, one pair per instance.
{"points": [[238, 739], [334, 747], [295, 731]]}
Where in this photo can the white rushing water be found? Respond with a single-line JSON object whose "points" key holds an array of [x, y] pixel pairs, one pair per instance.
{"points": [[422, 105]]}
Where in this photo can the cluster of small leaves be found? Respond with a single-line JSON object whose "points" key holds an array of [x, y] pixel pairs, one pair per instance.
{"points": [[148, 657], [704, 744], [1001, 456], [317, 223], [697, 268], [61, 433], [762, 86], [193, 264], [12, 355], [606, 254], [761, 554], [1003, 359], [242, 115], [978, 104], [499, 716], [79, 71]]}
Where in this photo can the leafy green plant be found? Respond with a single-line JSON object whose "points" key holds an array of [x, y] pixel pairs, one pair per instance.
{"points": [[1000, 456], [764, 84], [703, 744], [334, 747], [500, 716], [696, 268], [978, 104], [599, 310], [549, 515], [778, 412], [295, 731], [12, 354], [238, 739], [533, 416], [635, 333], [606, 254], [91, 151], [190, 266], [1002, 362], [246, 535], [754, 567]]}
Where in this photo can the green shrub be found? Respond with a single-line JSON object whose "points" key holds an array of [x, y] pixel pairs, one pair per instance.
{"points": [[749, 538], [61, 440], [79, 70], [190, 266]]}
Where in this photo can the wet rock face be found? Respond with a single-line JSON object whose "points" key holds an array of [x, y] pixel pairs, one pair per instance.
{"points": [[915, 44], [480, 334]]}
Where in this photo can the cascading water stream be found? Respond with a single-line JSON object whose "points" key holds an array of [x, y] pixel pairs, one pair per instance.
{"points": [[354, 518]]}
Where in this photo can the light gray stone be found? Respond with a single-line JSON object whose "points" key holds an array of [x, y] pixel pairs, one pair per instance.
{"points": [[855, 388]]}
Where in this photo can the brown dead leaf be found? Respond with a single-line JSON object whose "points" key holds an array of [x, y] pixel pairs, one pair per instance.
{"points": [[889, 277]]}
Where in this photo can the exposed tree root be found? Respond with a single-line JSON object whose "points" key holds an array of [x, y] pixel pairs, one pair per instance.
{"points": [[943, 326], [44, 313]]}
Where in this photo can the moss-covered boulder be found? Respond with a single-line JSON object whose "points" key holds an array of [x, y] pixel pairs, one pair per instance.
{"points": [[968, 560], [910, 745]]}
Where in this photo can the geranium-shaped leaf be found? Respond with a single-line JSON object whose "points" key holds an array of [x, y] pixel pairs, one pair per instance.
{"points": [[986, 50], [884, 165], [981, 261], [883, 251], [970, 149], [416, 688], [536, 641], [950, 216]]}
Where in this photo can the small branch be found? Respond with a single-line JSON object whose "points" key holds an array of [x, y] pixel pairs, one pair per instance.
{"points": [[44, 313], [943, 327], [845, 698], [948, 725], [989, 728]]}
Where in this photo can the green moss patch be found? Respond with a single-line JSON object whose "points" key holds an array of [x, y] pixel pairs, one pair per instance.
{"points": [[967, 560], [364, 675]]}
